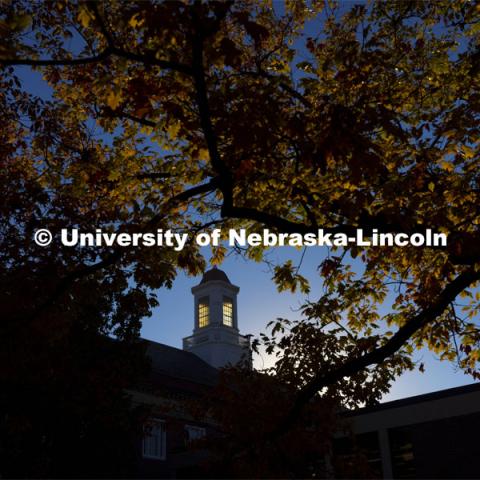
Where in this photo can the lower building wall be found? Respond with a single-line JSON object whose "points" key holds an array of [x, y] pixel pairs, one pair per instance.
{"points": [[442, 448], [447, 448]]}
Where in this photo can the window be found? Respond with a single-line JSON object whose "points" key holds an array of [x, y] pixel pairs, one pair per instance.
{"points": [[154, 440], [227, 311], [402, 452], [194, 433], [362, 450], [203, 312]]}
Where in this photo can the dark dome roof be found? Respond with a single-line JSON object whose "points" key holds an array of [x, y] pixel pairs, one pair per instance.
{"points": [[215, 274]]}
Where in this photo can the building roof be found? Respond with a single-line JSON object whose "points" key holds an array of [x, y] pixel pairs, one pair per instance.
{"points": [[215, 274], [176, 363], [408, 401]]}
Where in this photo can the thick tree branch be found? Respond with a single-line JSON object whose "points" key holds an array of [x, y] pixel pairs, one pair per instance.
{"points": [[225, 177], [197, 190], [204, 112], [142, 121], [375, 357], [100, 57], [146, 58], [150, 59]]}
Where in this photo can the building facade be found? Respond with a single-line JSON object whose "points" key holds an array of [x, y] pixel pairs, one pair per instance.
{"points": [[169, 447], [435, 435], [426, 436]]}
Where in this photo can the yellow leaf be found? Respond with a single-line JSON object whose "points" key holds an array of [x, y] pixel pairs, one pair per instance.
{"points": [[203, 154], [136, 21], [129, 152], [114, 99], [447, 166], [468, 152], [173, 129], [114, 175], [85, 16], [431, 186]]}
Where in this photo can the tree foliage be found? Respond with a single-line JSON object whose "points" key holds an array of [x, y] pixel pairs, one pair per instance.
{"points": [[247, 405], [295, 116]]}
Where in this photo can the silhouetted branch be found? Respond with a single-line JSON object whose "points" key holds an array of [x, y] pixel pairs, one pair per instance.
{"points": [[374, 357], [141, 121], [154, 175], [58, 62]]}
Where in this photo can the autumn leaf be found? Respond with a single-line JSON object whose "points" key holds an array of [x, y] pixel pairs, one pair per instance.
{"points": [[114, 99], [85, 16]]}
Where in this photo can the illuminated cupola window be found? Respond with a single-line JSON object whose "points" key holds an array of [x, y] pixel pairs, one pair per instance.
{"points": [[203, 312], [227, 311]]}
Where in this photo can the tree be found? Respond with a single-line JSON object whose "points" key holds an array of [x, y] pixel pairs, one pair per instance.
{"points": [[63, 402], [246, 405], [296, 117], [70, 317]]}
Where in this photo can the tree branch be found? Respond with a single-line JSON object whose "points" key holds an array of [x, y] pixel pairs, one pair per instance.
{"points": [[204, 112], [284, 86], [153, 175], [374, 357], [103, 55], [148, 59], [128, 116], [197, 190], [111, 49]]}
